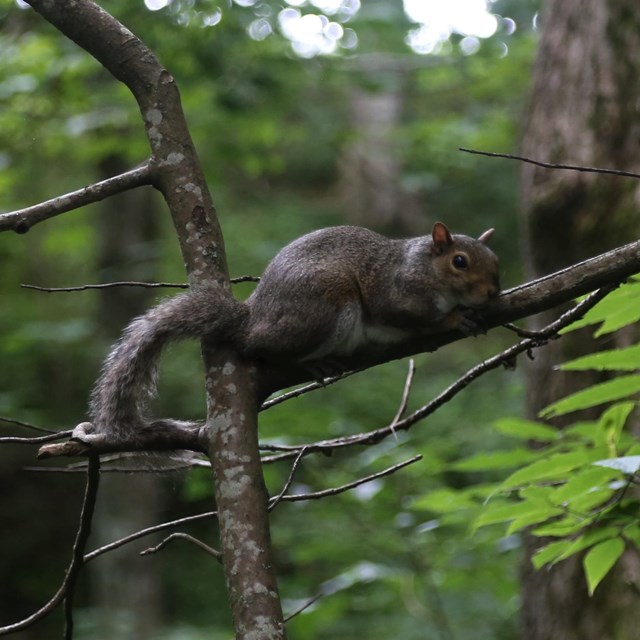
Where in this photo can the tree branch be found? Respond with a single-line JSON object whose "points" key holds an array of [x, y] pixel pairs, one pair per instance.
{"points": [[552, 165], [543, 294], [183, 536], [519, 302], [504, 358], [22, 220]]}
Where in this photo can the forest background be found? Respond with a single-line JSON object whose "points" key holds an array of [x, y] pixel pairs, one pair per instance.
{"points": [[357, 128]]}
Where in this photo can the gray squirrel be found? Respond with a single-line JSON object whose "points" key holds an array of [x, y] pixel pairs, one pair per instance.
{"points": [[322, 298]]}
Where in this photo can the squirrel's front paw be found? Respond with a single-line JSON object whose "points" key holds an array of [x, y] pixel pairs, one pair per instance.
{"points": [[85, 433], [469, 322]]}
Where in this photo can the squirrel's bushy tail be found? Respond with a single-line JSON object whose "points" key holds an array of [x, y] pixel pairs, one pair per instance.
{"points": [[127, 380]]}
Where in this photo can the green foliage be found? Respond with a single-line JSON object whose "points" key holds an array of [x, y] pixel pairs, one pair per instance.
{"points": [[574, 488], [394, 559]]}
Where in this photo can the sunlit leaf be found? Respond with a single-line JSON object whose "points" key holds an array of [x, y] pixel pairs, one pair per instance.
{"points": [[600, 559], [626, 359], [608, 391], [550, 553], [495, 460], [585, 481], [554, 467], [617, 310], [612, 422], [501, 512], [567, 526]]}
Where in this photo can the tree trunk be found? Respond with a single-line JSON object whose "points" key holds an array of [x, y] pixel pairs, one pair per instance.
{"points": [[584, 110], [370, 167]]}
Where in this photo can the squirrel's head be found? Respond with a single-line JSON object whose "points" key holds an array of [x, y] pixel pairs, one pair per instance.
{"points": [[468, 267]]}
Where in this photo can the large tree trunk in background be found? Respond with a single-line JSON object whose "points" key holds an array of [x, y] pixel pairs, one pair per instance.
{"points": [[371, 183], [584, 110], [127, 586]]}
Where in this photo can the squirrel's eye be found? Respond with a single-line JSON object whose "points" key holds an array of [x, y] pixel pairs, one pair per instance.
{"points": [[460, 261]]}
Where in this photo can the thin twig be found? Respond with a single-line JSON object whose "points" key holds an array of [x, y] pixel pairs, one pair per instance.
{"points": [[294, 467], [107, 285], [318, 495], [183, 536], [22, 220], [58, 435], [212, 514], [405, 393], [116, 544], [307, 388], [521, 333], [305, 606], [551, 165], [80, 544], [27, 425], [128, 283], [65, 592]]}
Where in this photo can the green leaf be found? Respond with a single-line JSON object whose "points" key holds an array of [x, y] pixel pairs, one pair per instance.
{"points": [[614, 360], [505, 512], [617, 310], [562, 528], [632, 533], [599, 560], [526, 429], [585, 481], [555, 467], [550, 553], [626, 314], [608, 391], [495, 460], [612, 422], [588, 539], [535, 516]]}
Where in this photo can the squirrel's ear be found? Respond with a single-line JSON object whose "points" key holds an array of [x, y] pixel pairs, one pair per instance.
{"points": [[441, 236], [486, 236]]}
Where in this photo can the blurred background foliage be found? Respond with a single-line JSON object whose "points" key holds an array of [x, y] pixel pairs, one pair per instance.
{"points": [[357, 128]]}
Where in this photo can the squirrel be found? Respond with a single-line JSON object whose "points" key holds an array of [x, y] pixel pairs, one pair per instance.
{"points": [[323, 297]]}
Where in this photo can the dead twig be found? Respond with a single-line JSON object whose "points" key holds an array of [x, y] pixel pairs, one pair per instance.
{"points": [[183, 536], [22, 220], [67, 588], [551, 165]]}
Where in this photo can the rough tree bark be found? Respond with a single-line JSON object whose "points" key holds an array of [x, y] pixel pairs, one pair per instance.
{"points": [[370, 168], [584, 110]]}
